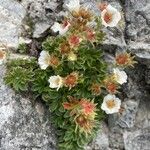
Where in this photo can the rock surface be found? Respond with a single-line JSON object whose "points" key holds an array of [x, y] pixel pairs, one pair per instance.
{"points": [[138, 27], [11, 17], [43, 14], [102, 140], [23, 126]]}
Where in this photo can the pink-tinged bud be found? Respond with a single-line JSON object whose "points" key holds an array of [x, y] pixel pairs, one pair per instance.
{"points": [[74, 40], [125, 59], [90, 34], [71, 80], [111, 87], [87, 106]]}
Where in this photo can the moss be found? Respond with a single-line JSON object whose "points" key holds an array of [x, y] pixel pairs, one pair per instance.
{"points": [[22, 48], [20, 74]]}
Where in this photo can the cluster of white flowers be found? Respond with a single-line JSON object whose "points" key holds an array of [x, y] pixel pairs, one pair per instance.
{"points": [[110, 17], [111, 104]]}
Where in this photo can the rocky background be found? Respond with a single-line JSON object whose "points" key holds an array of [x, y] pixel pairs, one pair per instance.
{"points": [[26, 126]]}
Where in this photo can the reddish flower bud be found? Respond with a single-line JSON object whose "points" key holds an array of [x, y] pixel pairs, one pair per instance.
{"points": [[71, 80], [96, 89], [111, 87], [85, 124], [54, 61], [90, 34], [74, 40], [65, 48], [87, 106], [125, 59]]}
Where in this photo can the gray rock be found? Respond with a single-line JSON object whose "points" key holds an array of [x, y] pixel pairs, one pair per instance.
{"points": [[43, 13], [41, 10], [116, 141], [11, 16], [147, 76], [138, 27], [101, 142], [127, 119], [142, 119], [22, 125], [40, 29], [137, 140]]}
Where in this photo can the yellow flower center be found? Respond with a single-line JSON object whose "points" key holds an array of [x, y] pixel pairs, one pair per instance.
{"points": [[116, 77], [110, 104], [57, 81]]}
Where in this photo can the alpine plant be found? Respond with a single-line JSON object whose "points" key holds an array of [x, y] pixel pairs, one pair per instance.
{"points": [[71, 76]]}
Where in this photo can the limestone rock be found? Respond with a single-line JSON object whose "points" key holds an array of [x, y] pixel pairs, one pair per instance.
{"points": [[101, 142], [40, 29], [147, 76], [43, 14], [137, 140], [116, 141], [22, 125], [11, 16], [138, 27], [127, 118]]}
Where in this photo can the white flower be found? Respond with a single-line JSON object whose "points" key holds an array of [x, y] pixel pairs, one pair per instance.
{"points": [[2, 56], [55, 82], [111, 104], [73, 5], [120, 76], [61, 28], [72, 56], [44, 60], [110, 16]]}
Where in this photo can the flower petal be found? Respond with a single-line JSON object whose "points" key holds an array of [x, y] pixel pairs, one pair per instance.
{"points": [[115, 16], [115, 105]]}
